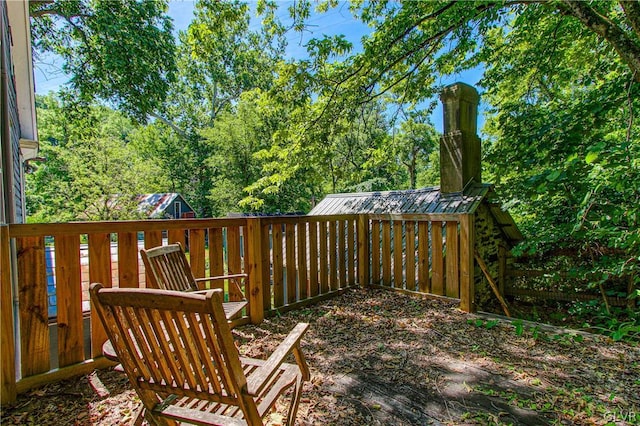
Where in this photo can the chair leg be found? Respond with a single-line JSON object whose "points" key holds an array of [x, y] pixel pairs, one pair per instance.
{"points": [[295, 401]]}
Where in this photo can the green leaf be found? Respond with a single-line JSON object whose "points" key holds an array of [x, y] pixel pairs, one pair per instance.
{"points": [[591, 157]]}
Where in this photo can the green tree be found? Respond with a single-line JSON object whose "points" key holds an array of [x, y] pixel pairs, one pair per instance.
{"points": [[90, 171], [414, 143], [118, 51], [219, 58]]}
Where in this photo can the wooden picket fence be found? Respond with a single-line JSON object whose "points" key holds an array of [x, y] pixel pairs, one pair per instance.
{"points": [[292, 261]]}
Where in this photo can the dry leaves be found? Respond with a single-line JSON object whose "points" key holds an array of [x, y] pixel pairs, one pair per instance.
{"points": [[380, 358]]}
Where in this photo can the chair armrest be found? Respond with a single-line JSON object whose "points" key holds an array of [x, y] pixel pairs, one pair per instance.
{"points": [[233, 280], [222, 277], [262, 376]]}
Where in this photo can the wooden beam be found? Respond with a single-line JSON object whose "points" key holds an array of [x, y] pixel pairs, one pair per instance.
{"points": [[467, 282], [8, 392], [254, 292]]}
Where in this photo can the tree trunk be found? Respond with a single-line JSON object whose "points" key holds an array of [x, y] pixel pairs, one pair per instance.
{"points": [[624, 45]]}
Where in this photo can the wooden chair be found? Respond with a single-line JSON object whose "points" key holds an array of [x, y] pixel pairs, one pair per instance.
{"points": [[179, 355], [168, 269]]}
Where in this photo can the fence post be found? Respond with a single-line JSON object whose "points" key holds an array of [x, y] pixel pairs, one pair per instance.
{"points": [[363, 250], [8, 393], [255, 270], [467, 279]]}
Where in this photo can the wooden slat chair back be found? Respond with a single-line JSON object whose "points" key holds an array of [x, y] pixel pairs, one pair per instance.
{"points": [[168, 269], [179, 355]]}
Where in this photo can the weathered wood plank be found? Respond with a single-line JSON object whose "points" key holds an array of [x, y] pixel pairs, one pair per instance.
{"points": [[177, 236], [467, 255], [424, 283], [452, 261], [8, 391], [32, 296], [324, 256], [398, 269], [151, 239], [128, 259], [278, 284], [197, 258], [375, 252], [313, 259], [265, 257], [255, 287], [290, 241], [69, 299], [303, 284], [437, 264], [351, 253], [333, 260], [216, 255], [99, 272], [234, 259], [342, 254], [410, 255], [386, 253], [79, 228], [364, 256]]}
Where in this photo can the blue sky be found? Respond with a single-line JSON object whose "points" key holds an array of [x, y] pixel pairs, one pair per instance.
{"points": [[49, 76]]}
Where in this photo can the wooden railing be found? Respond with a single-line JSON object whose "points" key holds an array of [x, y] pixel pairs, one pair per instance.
{"points": [[291, 261], [427, 254]]}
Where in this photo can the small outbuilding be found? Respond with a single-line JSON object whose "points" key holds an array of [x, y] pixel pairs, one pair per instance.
{"points": [[169, 205], [460, 193]]}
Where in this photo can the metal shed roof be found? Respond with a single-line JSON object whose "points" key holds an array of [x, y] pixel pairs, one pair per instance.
{"points": [[419, 201]]}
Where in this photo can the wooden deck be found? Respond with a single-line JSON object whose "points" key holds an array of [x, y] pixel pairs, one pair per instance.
{"points": [[384, 358]]}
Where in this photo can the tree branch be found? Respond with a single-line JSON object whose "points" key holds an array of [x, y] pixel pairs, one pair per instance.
{"points": [[632, 11], [627, 48], [175, 128]]}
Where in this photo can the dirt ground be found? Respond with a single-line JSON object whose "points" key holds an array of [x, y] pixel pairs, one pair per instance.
{"points": [[383, 358]]}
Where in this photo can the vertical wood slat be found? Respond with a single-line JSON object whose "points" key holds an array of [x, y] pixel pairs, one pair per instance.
{"points": [[151, 239], [363, 235], [32, 294], [410, 255], [290, 241], [398, 281], [423, 257], [324, 257], [128, 259], [99, 272], [278, 284], [234, 259], [177, 236], [351, 254], [333, 264], [342, 254], [437, 266], [253, 240], [303, 290], [8, 392], [386, 253], [313, 259], [375, 252], [265, 256], [467, 281], [69, 300], [452, 265], [197, 252], [216, 256]]}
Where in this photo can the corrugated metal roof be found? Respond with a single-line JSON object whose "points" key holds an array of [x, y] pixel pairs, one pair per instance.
{"points": [[412, 201], [420, 201]]}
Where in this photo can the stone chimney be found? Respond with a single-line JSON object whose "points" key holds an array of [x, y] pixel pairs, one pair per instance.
{"points": [[459, 145]]}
